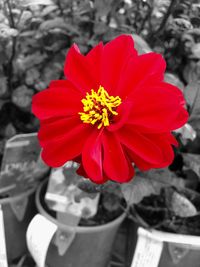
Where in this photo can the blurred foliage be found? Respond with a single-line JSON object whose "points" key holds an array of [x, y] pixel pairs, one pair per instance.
{"points": [[36, 34]]}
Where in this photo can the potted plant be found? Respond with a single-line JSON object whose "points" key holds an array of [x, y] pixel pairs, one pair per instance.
{"points": [[114, 128], [170, 215], [35, 36]]}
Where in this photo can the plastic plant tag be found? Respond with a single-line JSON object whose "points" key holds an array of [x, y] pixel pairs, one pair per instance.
{"points": [[63, 240], [3, 254], [19, 208], [21, 164], [38, 236], [148, 250], [177, 252], [150, 244], [64, 195]]}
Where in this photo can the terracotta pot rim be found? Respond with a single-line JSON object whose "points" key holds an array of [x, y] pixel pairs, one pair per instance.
{"points": [[16, 198], [79, 229]]}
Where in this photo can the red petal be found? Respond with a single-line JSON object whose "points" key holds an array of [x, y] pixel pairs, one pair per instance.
{"points": [[147, 67], [158, 108], [123, 115], [115, 163], [140, 145], [139, 162], [94, 56], [56, 129], [59, 151], [54, 84], [84, 71], [163, 141], [57, 101], [80, 171], [92, 157], [115, 56]]}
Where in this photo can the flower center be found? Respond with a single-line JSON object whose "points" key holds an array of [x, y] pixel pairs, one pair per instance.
{"points": [[99, 107]]}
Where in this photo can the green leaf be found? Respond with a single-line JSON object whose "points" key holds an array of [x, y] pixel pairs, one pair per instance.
{"points": [[192, 96], [57, 23], [191, 72], [22, 96], [141, 45], [3, 86], [192, 161], [196, 50], [6, 31], [102, 7], [135, 191], [25, 18], [151, 182], [173, 79], [26, 62], [26, 3], [47, 10]]}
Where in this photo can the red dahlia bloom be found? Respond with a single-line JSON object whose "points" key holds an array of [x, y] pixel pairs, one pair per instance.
{"points": [[113, 109]]}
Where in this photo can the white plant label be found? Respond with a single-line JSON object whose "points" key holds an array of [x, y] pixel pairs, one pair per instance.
{"points": [[3, 255], [148, 250], [38, 236]]}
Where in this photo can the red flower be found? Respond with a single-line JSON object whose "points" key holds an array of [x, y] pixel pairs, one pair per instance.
{"points": [[114, 109]]}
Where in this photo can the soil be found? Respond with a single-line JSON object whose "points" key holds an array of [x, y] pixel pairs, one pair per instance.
{"points": [[156, 212]]}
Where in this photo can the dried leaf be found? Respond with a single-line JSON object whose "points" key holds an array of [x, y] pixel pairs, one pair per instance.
{"points": [[181, 206]]}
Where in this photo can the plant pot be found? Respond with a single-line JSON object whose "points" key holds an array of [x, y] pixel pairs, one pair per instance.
{"points": [[17, 213], [121, 251], [178, 250], [91, 245]]}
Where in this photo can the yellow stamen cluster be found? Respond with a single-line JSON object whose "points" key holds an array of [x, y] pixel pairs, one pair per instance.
{"points": [[99, 107]]}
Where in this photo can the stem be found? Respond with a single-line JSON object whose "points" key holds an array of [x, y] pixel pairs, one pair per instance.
{"points": [[11, 18], [147, 18], [60, 7], [165, 18], [14, 41], [134, 216]]}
